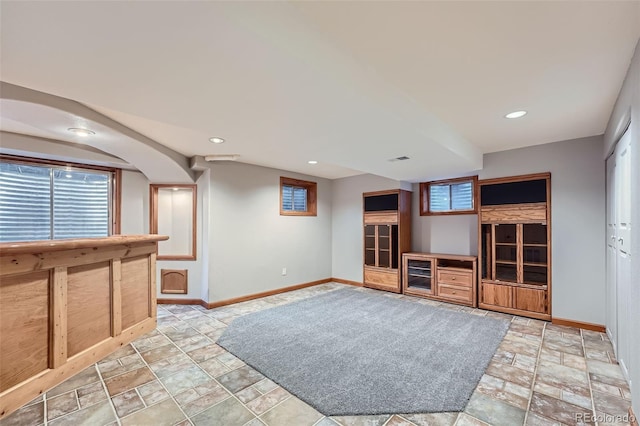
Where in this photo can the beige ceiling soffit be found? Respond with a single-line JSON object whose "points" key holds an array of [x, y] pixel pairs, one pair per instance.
{"points": [[159, 163], [49, 149]]}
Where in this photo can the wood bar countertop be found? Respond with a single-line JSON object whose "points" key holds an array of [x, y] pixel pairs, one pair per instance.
{"points": [[71, 244]]}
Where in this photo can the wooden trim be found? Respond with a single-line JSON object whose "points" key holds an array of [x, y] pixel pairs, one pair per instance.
{"points": [[348, 282], [116, 297], [312, 196], [31, 247], [519, 254], [375, 193], [519, 178], [549, 258], [153, 217], [165, 301], [633, 420], [424, 196], [56, 163], [579, 324], [516, 312], [212, 305], [58, 317], [117, 203], [153, 294]]}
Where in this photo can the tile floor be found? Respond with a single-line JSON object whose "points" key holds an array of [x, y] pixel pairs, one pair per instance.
{"points": [[542, 374]]}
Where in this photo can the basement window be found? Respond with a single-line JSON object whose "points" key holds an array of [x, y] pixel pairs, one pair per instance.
{"points": [[42, 200], [451, 196], [298, 197]]}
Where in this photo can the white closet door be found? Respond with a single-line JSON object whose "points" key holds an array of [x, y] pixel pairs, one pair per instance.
{"points": [[611, 297], [623, 249]]}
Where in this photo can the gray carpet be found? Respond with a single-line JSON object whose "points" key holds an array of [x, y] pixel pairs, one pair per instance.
{"points": [[351, 352]]}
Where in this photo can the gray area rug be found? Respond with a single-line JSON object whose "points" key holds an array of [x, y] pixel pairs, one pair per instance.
{"points": [[352, 352]]}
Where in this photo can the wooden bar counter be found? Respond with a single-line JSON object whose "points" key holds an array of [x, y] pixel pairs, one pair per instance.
{"points": [[65, 304]]}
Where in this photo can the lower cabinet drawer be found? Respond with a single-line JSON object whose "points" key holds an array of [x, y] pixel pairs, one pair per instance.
{"points": [[380, 277], [455, 292], [455, 277]]}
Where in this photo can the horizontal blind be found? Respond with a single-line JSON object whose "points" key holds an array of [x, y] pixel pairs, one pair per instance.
{"points": [[439, 198], [25, 202], [294, 198], [451, 197], [80, 204], [462, 196]]}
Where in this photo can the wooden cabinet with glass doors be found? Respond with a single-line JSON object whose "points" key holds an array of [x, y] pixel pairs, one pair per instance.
{"points": [[514, 245], [387, 234]]}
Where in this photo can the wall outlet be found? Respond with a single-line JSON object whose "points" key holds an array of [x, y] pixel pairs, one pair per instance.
{"points": [[284, 271]]}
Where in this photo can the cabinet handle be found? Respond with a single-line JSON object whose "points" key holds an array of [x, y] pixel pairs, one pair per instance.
{"points": [[453, 278], [621, 241], [453, 292]]}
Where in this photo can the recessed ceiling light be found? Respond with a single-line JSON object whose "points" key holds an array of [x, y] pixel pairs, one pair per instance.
{"points": [[175, 189], [68, 175], [216, 140], [516, 114], [312, 162], [81, 132]]}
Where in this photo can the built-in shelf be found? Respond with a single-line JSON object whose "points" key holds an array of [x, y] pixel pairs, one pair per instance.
{"points": [[449, 278]]}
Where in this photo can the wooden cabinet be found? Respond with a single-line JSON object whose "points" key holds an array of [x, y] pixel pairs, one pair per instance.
{"points": [[514, 245], [387, 234], [445, 277]]}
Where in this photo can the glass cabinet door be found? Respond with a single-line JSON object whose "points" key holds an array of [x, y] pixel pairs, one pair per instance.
{"points": [[419, 275], [370, 245], [384, 246], [534, 253], [506, 252]]}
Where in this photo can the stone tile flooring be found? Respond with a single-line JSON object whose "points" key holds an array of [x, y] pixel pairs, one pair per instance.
{"points": [[541, 374]]}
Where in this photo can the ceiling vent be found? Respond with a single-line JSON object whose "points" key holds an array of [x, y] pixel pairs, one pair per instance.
{"points": [[223, 157], [404, 157]]}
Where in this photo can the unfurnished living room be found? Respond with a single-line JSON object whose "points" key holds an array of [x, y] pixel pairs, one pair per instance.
{"points": [[319, 213]]}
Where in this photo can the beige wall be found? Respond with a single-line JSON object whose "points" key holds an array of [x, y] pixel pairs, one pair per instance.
{"points": [[347, 230], [250, 242], [577, 221], [135, 220]]}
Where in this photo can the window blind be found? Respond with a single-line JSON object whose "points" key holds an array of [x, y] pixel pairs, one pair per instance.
{"points": [[451, 197], [80, 204], [294, 198], [25, 202], [439, 198], [43, 202], [462, 196]]}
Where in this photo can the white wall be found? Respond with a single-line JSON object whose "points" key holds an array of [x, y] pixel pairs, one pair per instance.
{"points": [[135, 220], [628, 107], [175, 213], [250, 242], [577, 221], [347, 230], [456, 234], [135, 203]]}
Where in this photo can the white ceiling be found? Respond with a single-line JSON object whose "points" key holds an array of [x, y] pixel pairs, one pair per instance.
{"points": [[350, 84]]}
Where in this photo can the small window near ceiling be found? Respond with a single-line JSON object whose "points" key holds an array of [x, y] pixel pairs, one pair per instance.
{"points": [[452, 196], [298, 197]]}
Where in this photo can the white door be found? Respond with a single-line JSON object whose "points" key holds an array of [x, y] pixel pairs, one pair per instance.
{"points": [[622, 197], [611, 297]]}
